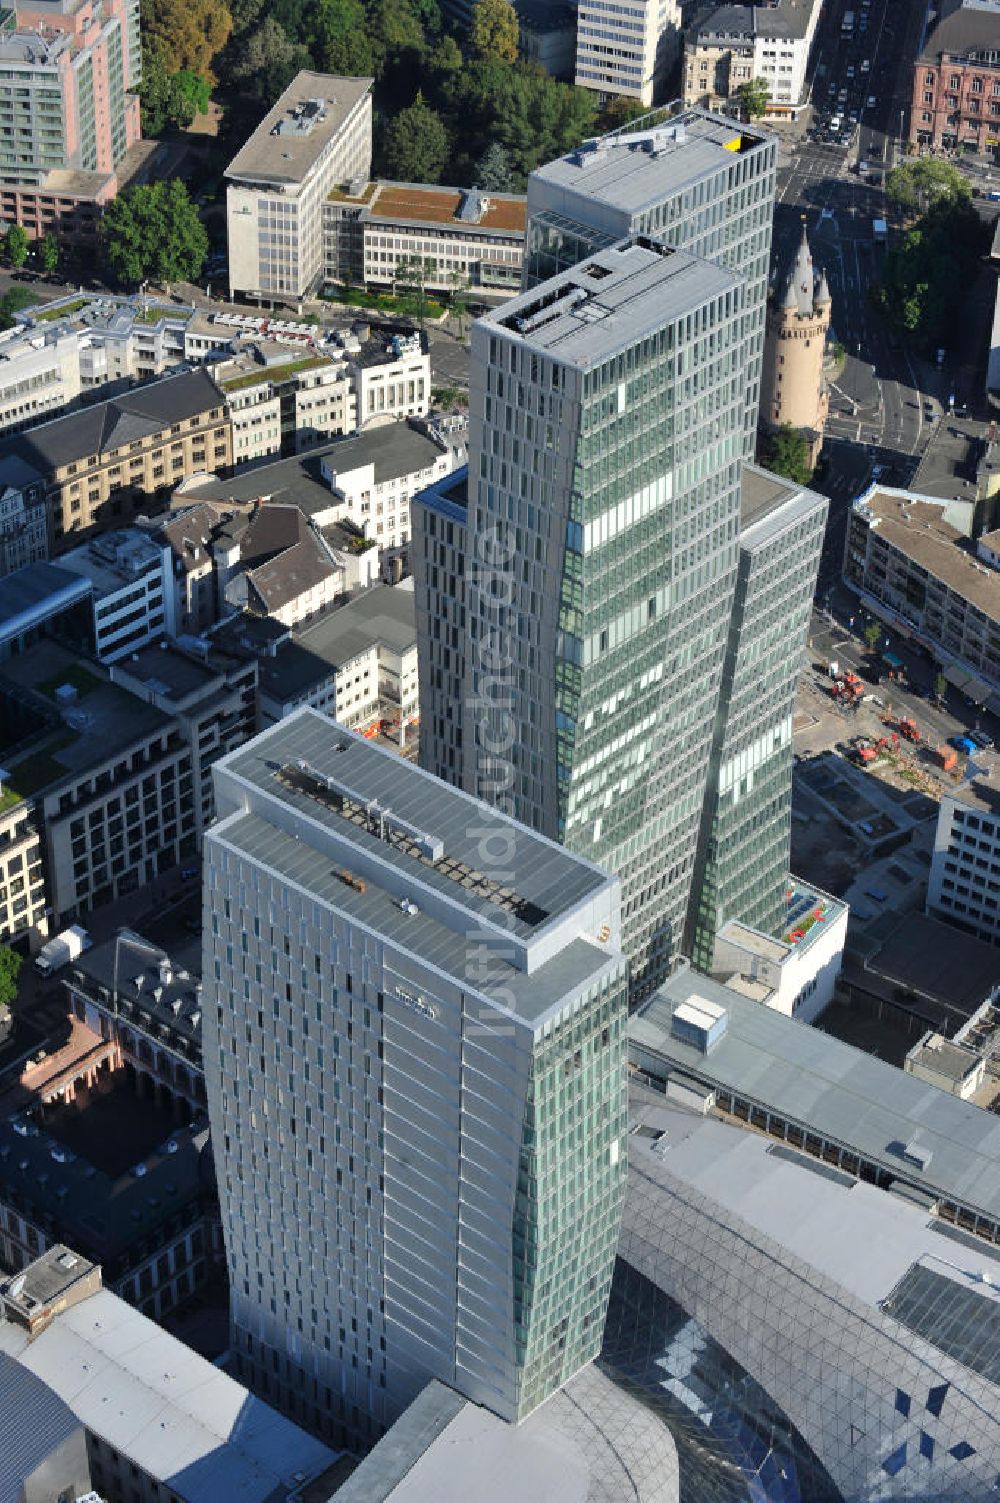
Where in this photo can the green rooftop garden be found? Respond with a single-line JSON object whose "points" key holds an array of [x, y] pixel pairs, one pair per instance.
{"points": [[82, 680], [38, 770], [9, 797], [62, 310], [274, 372]]}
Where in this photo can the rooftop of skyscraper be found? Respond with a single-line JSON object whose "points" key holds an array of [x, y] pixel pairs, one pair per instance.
{"points": [[611, 300], [652, 158], [426, 865]]}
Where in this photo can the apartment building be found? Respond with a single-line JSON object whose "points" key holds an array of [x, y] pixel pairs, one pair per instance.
{"points": [[69, 110], [738, 43], [24, 537], [917, 571], [105, 462], [131, 596], [964, 882], [386, 234], [956, 79], [357, 662], [392, 1217], [112, 779], [317, 137], [23, 913], [283, 401], [627, 49], [191, 534], [377, 473], [698, 181]]}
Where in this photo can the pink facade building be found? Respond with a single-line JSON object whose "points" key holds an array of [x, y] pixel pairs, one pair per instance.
{"points": [[956, 79], [69, 111]]}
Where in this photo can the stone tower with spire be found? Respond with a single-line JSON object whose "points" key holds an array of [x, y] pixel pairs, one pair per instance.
{"points": [[793, 389]]}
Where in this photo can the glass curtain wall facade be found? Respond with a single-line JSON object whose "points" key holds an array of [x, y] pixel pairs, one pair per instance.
{"points": [[744, 846], [607, 435]]}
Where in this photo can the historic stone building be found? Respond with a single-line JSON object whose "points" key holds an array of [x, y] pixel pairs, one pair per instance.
{"points": [[793, 388]]}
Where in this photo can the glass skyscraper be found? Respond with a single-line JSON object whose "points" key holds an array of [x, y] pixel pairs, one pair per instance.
{"points": [[588, 659], [414, 1041]]}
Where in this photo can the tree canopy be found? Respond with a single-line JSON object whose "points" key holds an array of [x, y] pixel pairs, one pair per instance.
{"points": [[493, 170], [10, 969], [415, 147], [186, 33], [495, 29], [753, 97], [170, 99], [16, 244], [153, 233], [786, 452], [927, 271], [925, 184]]}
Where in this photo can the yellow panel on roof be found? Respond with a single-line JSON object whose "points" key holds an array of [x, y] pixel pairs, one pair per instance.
{"points": [[734, 144]]}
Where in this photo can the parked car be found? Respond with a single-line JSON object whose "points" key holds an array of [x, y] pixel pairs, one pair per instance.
{"points": [[963, 744], [984, 742]]}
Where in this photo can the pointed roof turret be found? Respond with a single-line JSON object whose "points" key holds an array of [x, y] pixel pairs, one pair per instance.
{"points": [[822, 298]]}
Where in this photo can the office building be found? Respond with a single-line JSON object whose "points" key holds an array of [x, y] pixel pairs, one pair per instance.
{"points": [[23, 918], [386, 235], [318, 136], [435, 1068], [39, 374], [738, 43], [744, 845], [793, 386], [636, 512], [111, 778], [964, 883], [159, 1424], [913, 567], [282, 402], [105, 462], [697, 181], [69, 108], [627, 50], [131, 590], [795, 968], [956, 79]]}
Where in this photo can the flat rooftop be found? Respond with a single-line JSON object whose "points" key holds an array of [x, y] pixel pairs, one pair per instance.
{"points": [[462, 208], [610, 301], [432, 851], [294, 134], [383, 614], [162, 1406], [834, 1090], [102, 721], [622, 173], [114, 560], [916, 526], [36, 592], [937, 961]]}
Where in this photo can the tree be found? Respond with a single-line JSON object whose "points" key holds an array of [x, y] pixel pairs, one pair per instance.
{"points": [[872, 633], [928, 269], [49, 253], [10, 969], [187, 33], [446, 58], [495, 30], [915, 187], [415, 144], [11, 303], [153, 233], [170, 100], [621, 110], [787, 453], [493, 171], [267, 60], [753, 98], [460, 298], [940, 686], [16, 245]]}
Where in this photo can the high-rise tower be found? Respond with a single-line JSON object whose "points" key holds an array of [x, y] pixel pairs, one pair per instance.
{"points": [[414, 1057], [600, 558], [698, 181]]}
